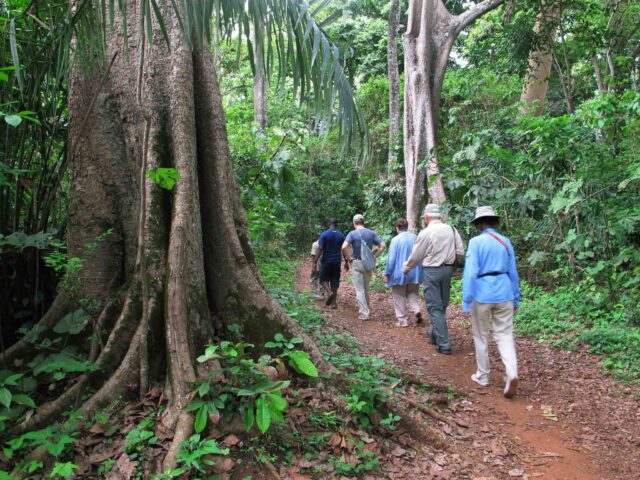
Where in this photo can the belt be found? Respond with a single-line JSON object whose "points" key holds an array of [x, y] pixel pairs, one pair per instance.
{"points": [[491, 274]]}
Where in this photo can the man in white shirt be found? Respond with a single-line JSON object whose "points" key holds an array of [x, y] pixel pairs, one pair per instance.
{"points": [[438, 246]]}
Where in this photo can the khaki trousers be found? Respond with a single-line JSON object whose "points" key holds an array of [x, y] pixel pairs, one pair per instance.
{"points": [[361, 279], [501, 316], [405, 296]]}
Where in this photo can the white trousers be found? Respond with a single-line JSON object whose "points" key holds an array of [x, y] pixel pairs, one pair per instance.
{"points": [[361, 279], [501, 316], [405, 297]]}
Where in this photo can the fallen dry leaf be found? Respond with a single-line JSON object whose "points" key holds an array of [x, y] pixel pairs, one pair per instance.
{"points": [[398, 451]]}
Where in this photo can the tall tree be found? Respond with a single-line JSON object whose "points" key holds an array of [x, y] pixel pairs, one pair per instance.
{"points": [[165, 266], [541, 58], [431, 32], [260, 85], [394, 84]]}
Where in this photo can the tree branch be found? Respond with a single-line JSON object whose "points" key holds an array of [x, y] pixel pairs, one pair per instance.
{"points": [[467, 18]]}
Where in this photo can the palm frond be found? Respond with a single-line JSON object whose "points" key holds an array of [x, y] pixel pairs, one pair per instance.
{"points": [[295, 44]]}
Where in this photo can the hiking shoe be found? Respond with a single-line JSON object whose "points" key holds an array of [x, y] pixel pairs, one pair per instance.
{"points": [[330, 299], [334, 305], [444, 351], [480, 382], [511, 388], [419, 318]]}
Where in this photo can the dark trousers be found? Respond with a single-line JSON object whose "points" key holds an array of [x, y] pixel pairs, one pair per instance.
{"points": [[437, 287]]}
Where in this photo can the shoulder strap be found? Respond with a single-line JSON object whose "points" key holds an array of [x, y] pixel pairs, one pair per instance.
{"points": [[499, 240]]}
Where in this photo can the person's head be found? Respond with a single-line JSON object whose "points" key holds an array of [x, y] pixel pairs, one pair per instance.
{"points": [[358, 220], [402, 225], [485, 218], [333, 223], [430, 213]]}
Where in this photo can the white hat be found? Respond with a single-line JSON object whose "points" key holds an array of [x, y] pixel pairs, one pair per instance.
{"points": [[431, 210], [482, 212]]}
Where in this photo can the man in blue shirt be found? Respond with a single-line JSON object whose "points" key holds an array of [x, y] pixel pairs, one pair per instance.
{"points": [[360, 275], [404, 288], [491, 293], [330, 243]]}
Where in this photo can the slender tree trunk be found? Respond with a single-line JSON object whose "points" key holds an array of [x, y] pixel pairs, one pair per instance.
{"points": [[260, 85], [394, 85], [540, 60], [431, 32], [597, 71], [172, 260]]}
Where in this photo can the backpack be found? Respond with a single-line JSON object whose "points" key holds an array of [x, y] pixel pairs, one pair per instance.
{"points": [[366, 256]]}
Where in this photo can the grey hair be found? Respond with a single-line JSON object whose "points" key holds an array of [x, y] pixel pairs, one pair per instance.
{"points": [[358, 219]]}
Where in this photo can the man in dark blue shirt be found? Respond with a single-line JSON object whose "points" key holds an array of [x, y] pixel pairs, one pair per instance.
{"points": [[330, 242]]}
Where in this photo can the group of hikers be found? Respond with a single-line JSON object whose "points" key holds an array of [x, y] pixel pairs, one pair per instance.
{"points": [[490, 285]]}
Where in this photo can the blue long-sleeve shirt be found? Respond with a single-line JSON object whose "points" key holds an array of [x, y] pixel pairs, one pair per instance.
{"points": [[399, 251], [487, 255]]}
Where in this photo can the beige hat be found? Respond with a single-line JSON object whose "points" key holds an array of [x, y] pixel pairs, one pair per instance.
{"points": [[482, 212], [431, 210]]}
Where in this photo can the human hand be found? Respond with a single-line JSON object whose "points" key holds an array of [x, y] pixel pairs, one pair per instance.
{"points": [[515, 310]]}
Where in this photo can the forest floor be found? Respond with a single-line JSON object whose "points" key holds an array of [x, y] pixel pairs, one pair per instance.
{"points": [[569, 420]]}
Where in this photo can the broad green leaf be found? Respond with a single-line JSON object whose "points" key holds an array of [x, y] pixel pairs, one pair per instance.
{"points": [[247, 416], [72, 323], [302, 363], [164, 177], [63, 470], [278, 402], [263, 415], [5, 397], [13, 120], [201, 418], [24, 400]]}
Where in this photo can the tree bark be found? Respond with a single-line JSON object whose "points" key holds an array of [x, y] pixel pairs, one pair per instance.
{"points": [[260, 85], [394, 85], [597, 71], [431, 32], [173, 260], [540, 60]]}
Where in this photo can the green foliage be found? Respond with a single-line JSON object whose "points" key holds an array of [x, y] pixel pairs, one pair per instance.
{"points": [[575, 316], [164, 177], [141, 436], [367, 463], [299, 360], [248, 387], [193, 458]]}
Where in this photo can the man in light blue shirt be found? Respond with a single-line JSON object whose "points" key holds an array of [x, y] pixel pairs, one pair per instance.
{"points": [[404, 288], [491, 293]]}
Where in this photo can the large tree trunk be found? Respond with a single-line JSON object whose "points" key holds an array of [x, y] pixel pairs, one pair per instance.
{"points": [[394, 85], [536, 80], [431, 32], [172, 261]]}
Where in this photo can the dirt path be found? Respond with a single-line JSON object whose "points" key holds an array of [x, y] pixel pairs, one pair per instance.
{"points": [[569, 421]]}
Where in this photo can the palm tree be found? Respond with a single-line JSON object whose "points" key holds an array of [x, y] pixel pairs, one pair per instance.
{"points": [[167, 267]]}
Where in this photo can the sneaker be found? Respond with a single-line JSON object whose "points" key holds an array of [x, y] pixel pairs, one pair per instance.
{"points": [[363, 318], [511, 388], [401, 324], [476, 379]]}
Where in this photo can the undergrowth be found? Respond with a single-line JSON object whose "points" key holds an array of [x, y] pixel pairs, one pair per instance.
{"points": [[570, 318]]}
